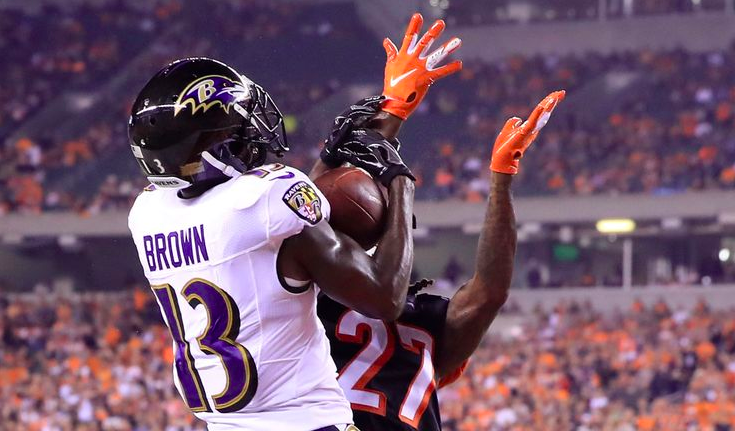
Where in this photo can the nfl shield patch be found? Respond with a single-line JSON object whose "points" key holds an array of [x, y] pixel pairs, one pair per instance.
{"points": [[302, 199]]}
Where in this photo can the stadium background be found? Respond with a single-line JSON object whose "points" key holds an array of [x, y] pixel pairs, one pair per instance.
{"points": [[613, 326]]}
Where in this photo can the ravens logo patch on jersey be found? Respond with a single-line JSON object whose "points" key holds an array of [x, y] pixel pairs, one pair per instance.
{"points": [[302, 199]]}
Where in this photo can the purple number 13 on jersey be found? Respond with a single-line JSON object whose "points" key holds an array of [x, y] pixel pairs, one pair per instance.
{"points": [[218, 338]]}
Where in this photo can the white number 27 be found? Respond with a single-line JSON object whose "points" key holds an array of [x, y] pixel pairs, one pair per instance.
{"points": [[353, 327]]}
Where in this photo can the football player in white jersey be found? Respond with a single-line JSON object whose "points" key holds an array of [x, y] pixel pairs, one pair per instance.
{"points": [[222, 236]]}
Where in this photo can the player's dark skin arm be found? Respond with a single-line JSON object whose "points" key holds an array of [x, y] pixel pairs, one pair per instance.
{"points": [[374, 286], [475, 305], [383, 122]]}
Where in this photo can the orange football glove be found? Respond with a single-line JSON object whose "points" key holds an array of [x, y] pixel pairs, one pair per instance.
{"points": [[517, 135], [410, 71]]}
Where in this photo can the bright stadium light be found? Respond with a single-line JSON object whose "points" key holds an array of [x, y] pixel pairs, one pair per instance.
{"points": [[611, 225], [724, 255]]}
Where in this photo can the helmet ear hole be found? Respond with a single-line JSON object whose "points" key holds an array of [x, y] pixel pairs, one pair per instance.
{"points": [[152, 120]]}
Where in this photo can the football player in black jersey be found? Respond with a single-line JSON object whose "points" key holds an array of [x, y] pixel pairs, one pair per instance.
{"points": [[390, 371]]}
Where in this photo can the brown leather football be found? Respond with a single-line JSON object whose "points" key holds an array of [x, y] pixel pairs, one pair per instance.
{"points": [[358, 204]]}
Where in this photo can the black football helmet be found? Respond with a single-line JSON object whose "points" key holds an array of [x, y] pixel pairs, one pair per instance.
{"points": [[198, 118]]}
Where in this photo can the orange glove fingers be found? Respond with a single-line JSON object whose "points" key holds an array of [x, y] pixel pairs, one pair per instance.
{"points": [[444, 71], [517, 135], [442, 52], [510, 124], [540, 115], [428, 38], [390, 49], [412, 31]]}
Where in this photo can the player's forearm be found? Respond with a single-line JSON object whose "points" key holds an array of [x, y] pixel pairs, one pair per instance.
{"points": [[475, 305], [386, 124], [497, 244], [393, 257]]}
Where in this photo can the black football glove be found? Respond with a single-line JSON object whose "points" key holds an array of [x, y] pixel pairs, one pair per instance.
{"points": [[369, 150], [351, 118], [420, 285]]}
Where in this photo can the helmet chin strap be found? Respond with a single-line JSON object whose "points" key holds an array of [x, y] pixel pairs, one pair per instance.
{"points": [[226, 169], [210, 173]]}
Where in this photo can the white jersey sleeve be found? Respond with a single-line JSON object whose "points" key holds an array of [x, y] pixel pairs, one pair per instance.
{"points": [[290, 203]]}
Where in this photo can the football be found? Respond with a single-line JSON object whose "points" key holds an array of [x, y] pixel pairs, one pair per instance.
{"points": [[358, 204]]}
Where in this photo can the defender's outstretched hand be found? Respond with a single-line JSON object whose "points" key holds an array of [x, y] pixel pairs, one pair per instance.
{"points": [[410, 71], [516, 135]]}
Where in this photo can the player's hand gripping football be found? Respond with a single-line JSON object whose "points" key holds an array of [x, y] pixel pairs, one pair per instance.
{"points": [[354, 117], [369, 150], [411, 70], [517, 135]]}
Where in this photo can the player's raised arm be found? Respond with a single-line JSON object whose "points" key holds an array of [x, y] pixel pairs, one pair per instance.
{"points": [[374, 286], [475, 305]]}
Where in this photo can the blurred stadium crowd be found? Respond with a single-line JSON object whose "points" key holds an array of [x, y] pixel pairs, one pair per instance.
{"points": [[677, 134], [91, 43], [106, 359], [469, 12], [571, 368]]}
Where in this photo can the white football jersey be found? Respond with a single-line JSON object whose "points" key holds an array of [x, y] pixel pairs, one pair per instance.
{"points": [[250, 354]]}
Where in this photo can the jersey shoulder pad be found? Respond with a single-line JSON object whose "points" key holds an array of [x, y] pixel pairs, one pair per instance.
{"points": [[288, 197]]}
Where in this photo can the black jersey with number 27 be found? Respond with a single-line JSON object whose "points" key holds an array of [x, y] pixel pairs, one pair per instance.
{"points": [[386, 369]]}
